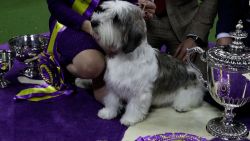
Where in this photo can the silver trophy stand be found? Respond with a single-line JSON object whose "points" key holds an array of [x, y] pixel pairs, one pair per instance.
{"points": [[227, 67]]}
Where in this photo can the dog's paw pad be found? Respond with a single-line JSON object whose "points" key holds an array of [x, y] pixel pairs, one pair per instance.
{"points": [[106, 113]]}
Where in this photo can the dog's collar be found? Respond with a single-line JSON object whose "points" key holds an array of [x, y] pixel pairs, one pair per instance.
{"points": [[111, 53]]}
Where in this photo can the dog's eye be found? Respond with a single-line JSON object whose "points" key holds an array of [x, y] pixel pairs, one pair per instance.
{"points": [[99, 9]]}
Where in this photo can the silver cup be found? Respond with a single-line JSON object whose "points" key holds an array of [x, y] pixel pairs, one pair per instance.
{"points": [[228, 81], [26, 49], [6, 63]]}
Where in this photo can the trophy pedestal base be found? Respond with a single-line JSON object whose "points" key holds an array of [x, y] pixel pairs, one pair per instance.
{"points": [[235, 131]]}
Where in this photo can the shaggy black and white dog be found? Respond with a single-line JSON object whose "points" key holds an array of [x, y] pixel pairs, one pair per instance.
{"points": [[136, 73]]}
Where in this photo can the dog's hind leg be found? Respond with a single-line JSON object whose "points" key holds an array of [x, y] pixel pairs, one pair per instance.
{"points": [[112, 105], [187, 99], [136, 109]]}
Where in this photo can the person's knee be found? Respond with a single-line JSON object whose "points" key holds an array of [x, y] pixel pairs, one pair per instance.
{"points": [[88, 64], [91, 69]]}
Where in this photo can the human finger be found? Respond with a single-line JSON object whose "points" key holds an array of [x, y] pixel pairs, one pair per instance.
{"points": [[177, 50]]}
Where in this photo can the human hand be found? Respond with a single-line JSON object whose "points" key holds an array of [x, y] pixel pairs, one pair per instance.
{"points": [[181, 51], [148, 6], [224, 41], [86, 26]]}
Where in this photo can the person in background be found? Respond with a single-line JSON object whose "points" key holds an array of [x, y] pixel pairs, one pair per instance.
{"points": [[77, 51], [181, 24], [229, 13]]}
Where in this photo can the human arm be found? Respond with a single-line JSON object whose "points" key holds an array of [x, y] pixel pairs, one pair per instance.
{"points": [[203, 20], [227, 19], [222, 41], [148, 6], [61, 10], [198, 29]]}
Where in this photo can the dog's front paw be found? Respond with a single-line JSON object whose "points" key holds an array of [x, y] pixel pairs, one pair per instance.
{"points": [[106, 113], [129, 121]]}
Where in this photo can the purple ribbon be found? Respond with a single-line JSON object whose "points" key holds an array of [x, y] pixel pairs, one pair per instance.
{"points": [[52, 74], [171, 137], [57, 93], [231, 85]]}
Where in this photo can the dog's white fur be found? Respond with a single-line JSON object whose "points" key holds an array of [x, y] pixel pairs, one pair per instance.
{"points": [[133, 68]]}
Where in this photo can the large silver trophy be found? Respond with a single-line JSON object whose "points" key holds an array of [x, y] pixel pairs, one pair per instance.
{"points": [[26, 49], [228, 81], [6, 63]]}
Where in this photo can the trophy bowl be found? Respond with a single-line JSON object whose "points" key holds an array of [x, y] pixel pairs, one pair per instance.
{"points": [[26, 49], [6, 63], [228, 82], [231, 90]]}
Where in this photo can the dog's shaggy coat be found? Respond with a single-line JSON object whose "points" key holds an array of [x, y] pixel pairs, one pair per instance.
{"points": [[136, 73]]}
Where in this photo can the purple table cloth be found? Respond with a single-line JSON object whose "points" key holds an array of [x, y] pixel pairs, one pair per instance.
{"points": [[65, 118]]}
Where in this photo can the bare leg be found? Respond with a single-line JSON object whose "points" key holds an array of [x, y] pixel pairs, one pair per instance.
{"points": [[99, 88], [90, 64], [87, 64]]}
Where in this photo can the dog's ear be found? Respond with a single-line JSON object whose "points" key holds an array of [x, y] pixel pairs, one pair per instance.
{"points": [[133, 37]]}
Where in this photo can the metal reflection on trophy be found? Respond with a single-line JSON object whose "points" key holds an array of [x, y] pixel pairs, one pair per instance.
{"points": [[228, 76], [26, 49], [6, 63]]}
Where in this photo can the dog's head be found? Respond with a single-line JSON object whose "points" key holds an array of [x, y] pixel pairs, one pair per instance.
{"points": [[118, 26]]}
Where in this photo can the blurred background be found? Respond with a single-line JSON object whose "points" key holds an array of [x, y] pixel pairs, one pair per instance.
{"points": [[19, 17]]}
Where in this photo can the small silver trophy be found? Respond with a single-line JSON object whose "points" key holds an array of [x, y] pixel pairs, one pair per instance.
{"points": [[6, 62], [26, 49], [228, 81]]}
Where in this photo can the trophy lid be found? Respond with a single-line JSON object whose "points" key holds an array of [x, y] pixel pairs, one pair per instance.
{"points": [[233, 57]]}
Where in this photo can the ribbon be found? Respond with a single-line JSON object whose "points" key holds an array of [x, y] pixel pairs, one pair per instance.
{"points": [[50, 71], [40, 92], [172, 137], [223, 89], [80, 6]]}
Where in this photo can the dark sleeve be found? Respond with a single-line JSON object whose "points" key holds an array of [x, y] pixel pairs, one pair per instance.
{"points": [[203, 19], [228, 15], [62, 11]]}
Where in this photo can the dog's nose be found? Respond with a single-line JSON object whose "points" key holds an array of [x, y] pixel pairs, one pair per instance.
{"points": [[95, 23]]}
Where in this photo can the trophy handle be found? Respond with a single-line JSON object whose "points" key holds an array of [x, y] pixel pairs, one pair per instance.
{"points": [[199, 50]]}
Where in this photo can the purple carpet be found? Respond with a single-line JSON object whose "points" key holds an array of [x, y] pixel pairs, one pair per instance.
{"points": [[66, 118]]}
